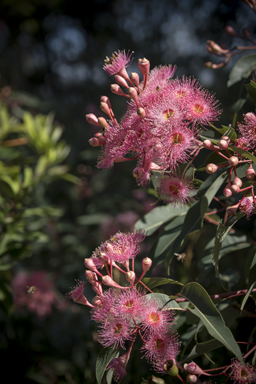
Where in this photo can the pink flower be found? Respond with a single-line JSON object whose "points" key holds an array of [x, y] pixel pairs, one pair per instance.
{"points": [[130, 304], [155, 321], [248, 129], [176, 190], [101, 313], [121, 247], [117, 62], [115, 332], [158, 348], [241, 375], [247, 206]]}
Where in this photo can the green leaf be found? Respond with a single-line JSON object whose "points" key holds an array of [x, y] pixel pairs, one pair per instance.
{"points": [[244, 153], [164, 243], [221, 233], [200, 349], [251, 89], [194, 218], [238, 105], [104, 358], [247, 295], [163, 301], [152, 282], [158, 216], [242, 69], [204, 308]]}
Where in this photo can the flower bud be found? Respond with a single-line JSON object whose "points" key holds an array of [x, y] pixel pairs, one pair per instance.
{"points": [[146, 264], [208, 64], [107, 280], [138, 172], [237, 181], [121, 81], [141, 112], [250, 173], [144, 66], [191, 379], [235, 188], [89, 263], [103, 122], [230, 30], [135, 78], [233, 161], [117, 90], [156, 380], [96, 301], [92, 119], [223, 144], [94, 142], [211, 168], [207, 144], [130, 277], [227, 192], [134, 95]]}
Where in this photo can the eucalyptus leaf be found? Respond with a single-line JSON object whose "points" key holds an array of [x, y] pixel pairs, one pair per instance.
{"points": [[247, 295], [204, 308], [104, 358], [200, 349], [251, 89], [152, 282], [221, 233], [157, 217], [242, 69]]}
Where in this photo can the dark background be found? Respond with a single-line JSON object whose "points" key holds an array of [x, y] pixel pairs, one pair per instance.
{"points": [[51, 56]]}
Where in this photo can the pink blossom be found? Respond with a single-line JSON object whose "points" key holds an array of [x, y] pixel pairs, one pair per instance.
{"points": [[158, 348], [248, 129], [121, 247], [247, 206], [117, 62], [241, 375], [176, 190], [115, 332], [155, 321], [130, 304]]}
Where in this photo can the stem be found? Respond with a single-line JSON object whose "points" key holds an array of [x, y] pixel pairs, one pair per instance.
{"points": [[227, 294]]}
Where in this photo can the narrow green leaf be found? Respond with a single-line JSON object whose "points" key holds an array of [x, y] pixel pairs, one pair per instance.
{"points": [[164, 243], [238, 105], [104, 358], [157, 217], [251, 89], [210, 316], [221, 233], [244, 153], [200, 349], [152, 282], [247, 295], [194, 218], [242, 69]]}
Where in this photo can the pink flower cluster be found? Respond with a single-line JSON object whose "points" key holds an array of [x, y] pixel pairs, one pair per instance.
{"points": [[161, 126], [125, 311], [241, 375], [42, 298]]}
